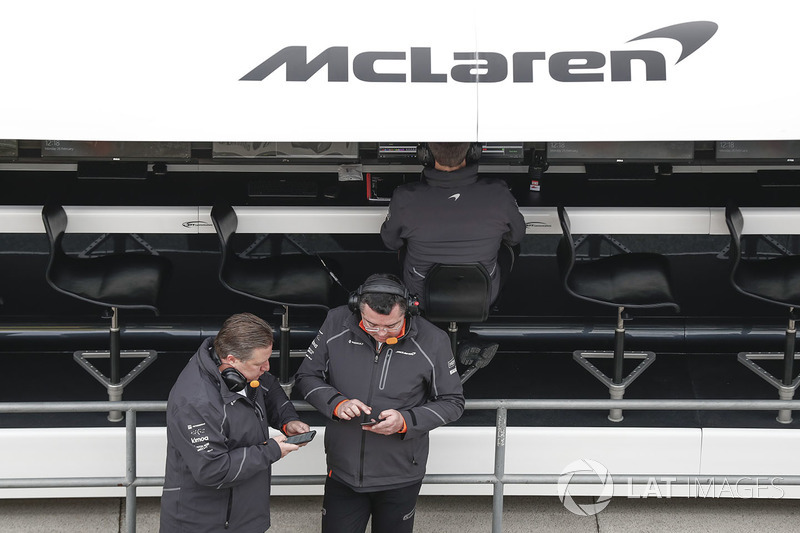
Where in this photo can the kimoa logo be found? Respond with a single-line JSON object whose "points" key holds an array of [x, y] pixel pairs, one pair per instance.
{"points": [[486, 67]]}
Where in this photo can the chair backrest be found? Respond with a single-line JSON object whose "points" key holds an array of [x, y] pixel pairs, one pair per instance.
{"points": [[225, 223], [293, 280], [123, 280], [457, 293], [565, 252], [55, 225], [735, 222], [771, 280], [631, 280]]}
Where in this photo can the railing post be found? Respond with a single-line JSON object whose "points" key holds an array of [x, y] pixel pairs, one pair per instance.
{"points": [[130, 471], [499, 469]]}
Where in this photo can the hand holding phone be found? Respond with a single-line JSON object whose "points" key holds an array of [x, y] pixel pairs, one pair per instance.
{"points": [[302, 438]]}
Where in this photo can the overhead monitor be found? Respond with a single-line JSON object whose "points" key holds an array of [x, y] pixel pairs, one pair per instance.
{"points": [[766, 151], [400, 152], [8, 149], [621, 152], [117, 150], [502, 153], [310, 151]]}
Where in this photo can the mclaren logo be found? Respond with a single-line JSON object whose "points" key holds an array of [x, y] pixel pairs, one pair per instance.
{"points": [[195, 224], [455, 196], [487, 67]]}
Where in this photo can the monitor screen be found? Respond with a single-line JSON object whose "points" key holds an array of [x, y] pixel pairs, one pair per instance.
{"points": [[398, 151], [777, 151], [380, 187], [118, 150], [620, 152], [502, 152], [8, 149], [286, 150]]}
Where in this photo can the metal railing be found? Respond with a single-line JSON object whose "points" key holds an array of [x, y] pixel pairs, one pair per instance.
{"points": [[498, 478]]}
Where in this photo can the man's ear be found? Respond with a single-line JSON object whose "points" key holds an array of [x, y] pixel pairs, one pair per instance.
{"points": [[230, 359]]}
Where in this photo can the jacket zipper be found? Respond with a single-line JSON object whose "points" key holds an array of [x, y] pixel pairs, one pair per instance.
{"points": [[260, 415], [369, 401], [230, 505]]}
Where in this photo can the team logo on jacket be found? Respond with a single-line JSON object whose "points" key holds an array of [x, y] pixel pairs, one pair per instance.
{"points": [[406, 353], [351, 341], [455, 197]]}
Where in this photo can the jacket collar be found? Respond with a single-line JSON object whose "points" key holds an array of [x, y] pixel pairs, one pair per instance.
{"points": [[457, 178]]}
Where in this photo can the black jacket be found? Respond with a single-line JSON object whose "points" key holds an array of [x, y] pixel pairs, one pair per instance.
{"points": [[218, 469], [451, 217], [417, 376]]}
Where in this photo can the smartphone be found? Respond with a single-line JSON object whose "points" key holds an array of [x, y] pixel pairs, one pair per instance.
{"points": [[369, 422], [302, 438]]}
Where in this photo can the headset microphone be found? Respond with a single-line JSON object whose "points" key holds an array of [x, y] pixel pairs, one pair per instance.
{"points": [[391, 340], [254, 384]]}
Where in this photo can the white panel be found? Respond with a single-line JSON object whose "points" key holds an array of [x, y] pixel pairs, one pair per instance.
{"points": [[541, 220], [657, 451], [751, 451], [640, 220], [771, 220], [310, 220], [620, 450], [759, 221], [277, 219], [99, 452], [21, 219], [78, 452], [677, 107], [115, 85], [150, 219]]}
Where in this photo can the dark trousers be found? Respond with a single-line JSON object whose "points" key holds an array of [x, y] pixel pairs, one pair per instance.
{"points": [[347, 511]]}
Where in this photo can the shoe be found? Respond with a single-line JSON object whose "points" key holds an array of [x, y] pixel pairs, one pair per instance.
{"points": [[468, 352], [477, 353], [486, 355]]}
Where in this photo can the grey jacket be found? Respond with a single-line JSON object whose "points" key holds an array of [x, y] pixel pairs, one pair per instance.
{"points": [[451, 217], [218, 469], [417, 376]]}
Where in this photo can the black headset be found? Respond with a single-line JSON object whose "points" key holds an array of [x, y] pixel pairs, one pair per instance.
{"points": [[383, 285], [425, 156], [232, 378]]}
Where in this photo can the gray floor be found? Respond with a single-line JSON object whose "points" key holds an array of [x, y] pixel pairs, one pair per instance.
{"points": [[439, 514]]}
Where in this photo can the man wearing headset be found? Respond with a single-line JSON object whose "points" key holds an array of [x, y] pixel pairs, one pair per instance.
{"points": [[452, 216], [383, 378], [219, 453]]}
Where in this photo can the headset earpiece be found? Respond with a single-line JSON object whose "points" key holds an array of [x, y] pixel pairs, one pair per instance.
{"points": [[232, 378], [474, 153], [424, 155], [384, 286]]}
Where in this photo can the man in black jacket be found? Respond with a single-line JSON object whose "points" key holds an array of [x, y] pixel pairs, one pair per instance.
{"points": [[219, 453], [383, 378], [452, 216]]}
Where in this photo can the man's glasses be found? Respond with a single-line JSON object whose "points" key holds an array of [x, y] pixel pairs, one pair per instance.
{"points": [[375, 329]]}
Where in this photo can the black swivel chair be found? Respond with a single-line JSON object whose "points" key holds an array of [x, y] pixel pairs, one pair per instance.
{"points": [[776, 281], [290, 280], [458, 293], [115, 281], [624, 281]]}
